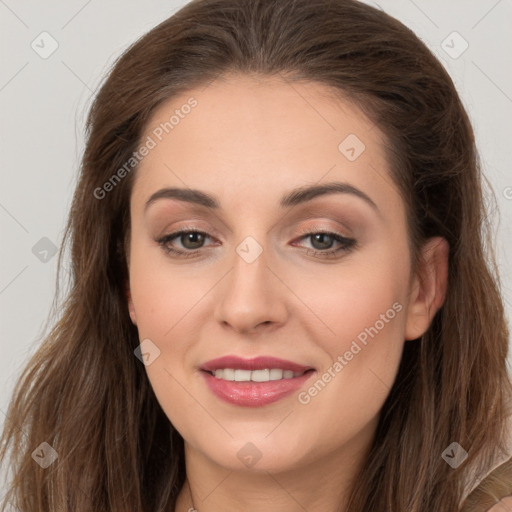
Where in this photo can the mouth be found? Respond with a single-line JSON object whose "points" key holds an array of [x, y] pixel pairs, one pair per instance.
{"points": [[264, 375], [268, 363], [254, 382]]}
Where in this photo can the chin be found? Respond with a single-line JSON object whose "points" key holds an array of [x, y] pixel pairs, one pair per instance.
{"points": [[255, 456]]}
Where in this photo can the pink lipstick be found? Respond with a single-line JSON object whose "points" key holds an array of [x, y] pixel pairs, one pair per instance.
{"points": [[254, 382]]}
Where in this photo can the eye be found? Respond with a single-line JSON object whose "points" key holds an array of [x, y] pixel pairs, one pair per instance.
{"points": [[322, 242], [191, 239], [192, 242]]}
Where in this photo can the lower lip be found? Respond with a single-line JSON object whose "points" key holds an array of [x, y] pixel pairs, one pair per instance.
{"points": [[254, 394]]}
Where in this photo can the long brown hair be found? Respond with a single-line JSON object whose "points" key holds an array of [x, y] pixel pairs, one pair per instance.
{"points": [[87, 395]]}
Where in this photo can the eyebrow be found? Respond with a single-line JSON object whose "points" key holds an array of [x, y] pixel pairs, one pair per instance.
{"points": [[292, 198]]}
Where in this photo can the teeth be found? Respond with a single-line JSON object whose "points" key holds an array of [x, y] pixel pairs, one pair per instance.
{"points": [[276, 374], [260, 375], [242, 375], [265, 375], [228, 374]]}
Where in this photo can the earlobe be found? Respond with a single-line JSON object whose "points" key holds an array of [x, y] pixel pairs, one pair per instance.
{"points": [[131, 309], [429, 287]]}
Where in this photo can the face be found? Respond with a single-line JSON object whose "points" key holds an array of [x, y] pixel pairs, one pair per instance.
{"points": [[264, 269]]}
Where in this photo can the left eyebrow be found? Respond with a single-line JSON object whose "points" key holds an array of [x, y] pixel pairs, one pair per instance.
{"points": [[292, 198], [307, 193]]}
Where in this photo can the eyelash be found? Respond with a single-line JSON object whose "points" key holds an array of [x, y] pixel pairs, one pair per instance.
{"points": [[348, 244]]}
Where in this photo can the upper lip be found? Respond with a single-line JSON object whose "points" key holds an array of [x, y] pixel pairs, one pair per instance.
{"points": [[256, 363]]}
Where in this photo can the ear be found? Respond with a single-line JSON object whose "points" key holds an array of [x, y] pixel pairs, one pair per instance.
{"points": [[131, 309], [428, 288]]}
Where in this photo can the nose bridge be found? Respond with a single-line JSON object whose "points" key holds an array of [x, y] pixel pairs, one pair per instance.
{"points": [[251, 294], [249, 281], [250, 264]]}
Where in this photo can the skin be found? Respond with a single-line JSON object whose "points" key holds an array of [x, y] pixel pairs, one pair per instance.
{"points": [[248, 142], [505, 505]]}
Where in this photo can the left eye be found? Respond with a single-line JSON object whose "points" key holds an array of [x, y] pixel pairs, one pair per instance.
{"points": [[322, 243], [192, 241]]}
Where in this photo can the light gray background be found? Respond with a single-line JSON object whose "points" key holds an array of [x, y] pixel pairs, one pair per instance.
{"points": [[44, 101]]}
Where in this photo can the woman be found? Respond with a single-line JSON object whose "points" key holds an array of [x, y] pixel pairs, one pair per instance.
{"points": [[280, 298]]}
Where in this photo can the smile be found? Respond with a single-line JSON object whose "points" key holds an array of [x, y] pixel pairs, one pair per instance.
{"points": [[264, 375]]}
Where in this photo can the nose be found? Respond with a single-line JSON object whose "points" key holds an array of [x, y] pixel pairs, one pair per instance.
{"points": [[252, 297]]}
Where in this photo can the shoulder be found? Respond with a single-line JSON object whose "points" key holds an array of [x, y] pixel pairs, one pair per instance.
{"points": [[504, 505], [494, 491]]}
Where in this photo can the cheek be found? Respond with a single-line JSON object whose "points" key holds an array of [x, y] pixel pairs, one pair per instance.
{"points": [[160, 297], [164, 303], [362, 308], [357, 298]]}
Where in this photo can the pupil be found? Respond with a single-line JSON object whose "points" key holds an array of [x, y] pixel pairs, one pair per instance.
{"points": [[189, 237], [320, 237]]}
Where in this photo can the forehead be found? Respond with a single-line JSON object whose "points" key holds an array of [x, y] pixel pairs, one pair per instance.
{"points": [[250, 139]]}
